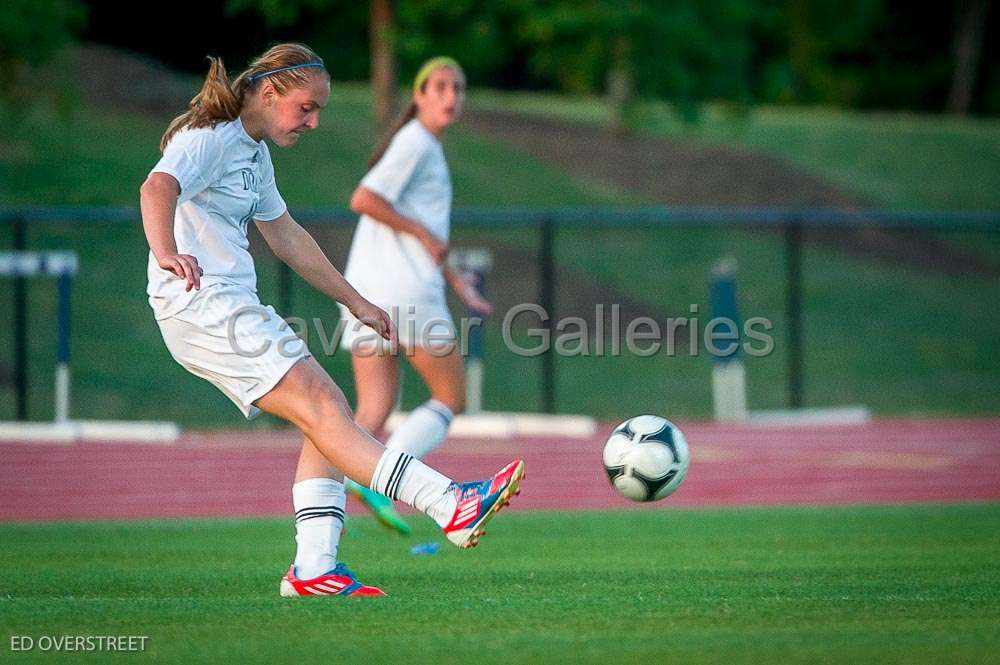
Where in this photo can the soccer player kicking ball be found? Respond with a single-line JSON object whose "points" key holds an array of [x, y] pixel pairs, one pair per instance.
{"points": [[397, 261], [214, 178]]}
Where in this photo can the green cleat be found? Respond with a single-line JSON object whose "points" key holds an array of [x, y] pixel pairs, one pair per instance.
{"points": [[380, 505]]}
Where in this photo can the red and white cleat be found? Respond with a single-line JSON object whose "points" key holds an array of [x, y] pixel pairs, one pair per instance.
{"points": [[338, 582], [479, 501]]}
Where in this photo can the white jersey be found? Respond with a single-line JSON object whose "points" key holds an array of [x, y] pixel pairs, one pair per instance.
{"points": [[391, 268], [226, 180]]}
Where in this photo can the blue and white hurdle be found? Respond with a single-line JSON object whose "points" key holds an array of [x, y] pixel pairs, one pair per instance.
{"points": [[729, 382], [478, 262], [63, 266]]}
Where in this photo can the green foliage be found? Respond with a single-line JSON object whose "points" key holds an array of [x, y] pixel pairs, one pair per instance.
{"points": [[31, 31], [483, 36], [336, 29], [819, 48], [279, 13], [668, 48], [859, 53]]}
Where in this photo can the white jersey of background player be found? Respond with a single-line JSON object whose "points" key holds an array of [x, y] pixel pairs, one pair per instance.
{"points": [[214, 178], [397, 261]]}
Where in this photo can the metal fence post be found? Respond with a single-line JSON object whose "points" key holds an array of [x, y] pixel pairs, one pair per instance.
{"points": [[284, 289], [547, 299], [20, 321], [793, 310]]}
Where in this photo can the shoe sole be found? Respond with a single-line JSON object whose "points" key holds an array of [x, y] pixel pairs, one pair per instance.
{"points": [[288, 591], [512, 490]]}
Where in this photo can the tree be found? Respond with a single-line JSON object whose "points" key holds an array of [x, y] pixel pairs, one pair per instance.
{"points": [[383, 62], [968, 46], [31, 32]]}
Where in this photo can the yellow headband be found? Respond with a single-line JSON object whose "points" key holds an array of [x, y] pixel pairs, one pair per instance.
{"points": [[430, 66]]}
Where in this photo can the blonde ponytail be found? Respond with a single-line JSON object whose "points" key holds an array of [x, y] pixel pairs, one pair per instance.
{"points": [[220, 101], [214, 103]]}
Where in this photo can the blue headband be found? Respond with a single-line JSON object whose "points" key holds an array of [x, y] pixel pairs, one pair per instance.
{"points": [[284, 69]]}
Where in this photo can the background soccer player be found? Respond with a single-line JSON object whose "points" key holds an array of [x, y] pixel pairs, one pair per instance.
{"points": [[398, 260]]}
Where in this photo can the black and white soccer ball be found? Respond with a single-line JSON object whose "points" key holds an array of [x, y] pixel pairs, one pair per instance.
{"points": [[646, 458]]}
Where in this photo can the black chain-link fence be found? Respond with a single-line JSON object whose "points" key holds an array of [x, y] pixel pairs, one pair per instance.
{"points": [[893, 311]]}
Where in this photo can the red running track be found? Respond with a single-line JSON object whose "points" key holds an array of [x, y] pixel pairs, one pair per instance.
{"points": [[249, 474]]}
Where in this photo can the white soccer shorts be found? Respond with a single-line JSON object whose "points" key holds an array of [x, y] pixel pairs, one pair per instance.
{"points": [[226, 336]]}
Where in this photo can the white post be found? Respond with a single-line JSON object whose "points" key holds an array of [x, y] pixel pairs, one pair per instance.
{"points": [[474, 385], [729, 382], [729, 391], [62, 392]]}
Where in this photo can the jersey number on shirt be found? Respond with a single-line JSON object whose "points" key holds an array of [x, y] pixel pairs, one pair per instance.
{"points": [[249, 180], [249, 185]]}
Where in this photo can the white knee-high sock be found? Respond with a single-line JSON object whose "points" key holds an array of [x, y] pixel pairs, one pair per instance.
{"points": [[319, 519], [423, 430], [402, 477]]}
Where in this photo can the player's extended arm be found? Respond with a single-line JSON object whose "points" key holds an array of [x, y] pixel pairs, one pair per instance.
{"points": [[366, 202], [158, 200], [465, 288], [295, 246]]}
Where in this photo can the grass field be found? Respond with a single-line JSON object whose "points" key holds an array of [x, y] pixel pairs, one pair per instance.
{"points": [[917, 584], [893, 337], [893, 159]]}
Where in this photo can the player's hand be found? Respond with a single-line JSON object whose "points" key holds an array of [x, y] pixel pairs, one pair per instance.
{"points": [[465, 286], [378, 320], [437, 249], [184, 266]]}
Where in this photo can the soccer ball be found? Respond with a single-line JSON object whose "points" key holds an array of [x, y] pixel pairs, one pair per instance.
{"points": [[646, 458]]}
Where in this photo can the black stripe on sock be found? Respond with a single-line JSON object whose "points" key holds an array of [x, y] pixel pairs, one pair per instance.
{"points": [[319, 512], [388, 484], [302, 510], [327, 509], [397, 473], [326, 513], [399, 476]]}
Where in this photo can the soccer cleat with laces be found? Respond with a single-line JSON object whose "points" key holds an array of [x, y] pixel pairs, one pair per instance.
{"points": [[479, 501], [338, 582]]}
